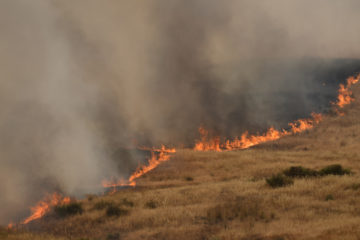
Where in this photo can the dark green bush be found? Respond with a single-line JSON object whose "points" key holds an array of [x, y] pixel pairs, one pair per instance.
{"points": [[300, 172], [335, 169], [103, 204], [329, 197], [355, 186], [189, 179], [279, 180], [151, 204], [127, 202], [113, 236], [69, 209], [115, 211]]}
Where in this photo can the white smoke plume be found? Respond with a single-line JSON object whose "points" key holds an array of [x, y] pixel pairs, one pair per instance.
{"points": [[80, 79]]}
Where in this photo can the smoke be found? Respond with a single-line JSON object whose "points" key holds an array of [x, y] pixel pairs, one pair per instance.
{"points": [[81, 79], [47, 133]]}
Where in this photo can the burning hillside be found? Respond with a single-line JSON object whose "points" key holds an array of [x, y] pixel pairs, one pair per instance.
{"points": [[88, 88], [245, 141], [159, 155]]}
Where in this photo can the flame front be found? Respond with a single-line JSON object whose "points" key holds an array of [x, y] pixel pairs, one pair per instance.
{"points": [[245, 141], [45, 205], [345, 95], [10, 226], [157, 156], [206, 144]]}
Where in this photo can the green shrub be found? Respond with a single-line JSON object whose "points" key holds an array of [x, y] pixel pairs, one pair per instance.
{"points": [[113, 236], [91, 197], [115, 211], [279, 180], [335, 169], [355, 186], [103, 204], [69, 209], [189, 179], [300, 172], [151, 204], [329, 197], [127, 202]]}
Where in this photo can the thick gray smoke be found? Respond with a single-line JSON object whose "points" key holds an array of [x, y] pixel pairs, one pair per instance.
{"points": [[80, 79]]}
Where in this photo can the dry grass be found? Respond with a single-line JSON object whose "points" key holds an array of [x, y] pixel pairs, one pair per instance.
{"points": [[207, 195]]}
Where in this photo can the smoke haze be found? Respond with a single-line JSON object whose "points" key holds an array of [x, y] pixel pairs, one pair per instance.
{"points": [[80, 79]]}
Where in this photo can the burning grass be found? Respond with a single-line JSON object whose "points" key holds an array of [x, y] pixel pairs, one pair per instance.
{"points": [[228, 198], [207, 143]]}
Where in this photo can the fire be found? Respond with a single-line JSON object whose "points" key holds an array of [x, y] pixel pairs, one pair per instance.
{"points": [[157, 156], [10, 226], [245, 141], [206, 144], [45, 205], [345, 95]]}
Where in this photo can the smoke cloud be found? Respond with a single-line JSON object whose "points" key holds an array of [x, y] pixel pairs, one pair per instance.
{"points": [[81, 79]]}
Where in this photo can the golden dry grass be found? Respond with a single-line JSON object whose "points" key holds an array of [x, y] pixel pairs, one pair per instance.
{"points": [[207, 195]]}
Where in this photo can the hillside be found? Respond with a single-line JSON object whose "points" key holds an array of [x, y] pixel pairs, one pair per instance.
{"points": [[224, 195]]}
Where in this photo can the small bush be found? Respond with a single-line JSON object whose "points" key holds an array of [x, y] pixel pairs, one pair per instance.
{"points": [[279, 180], [115, 211], [69, 209], [189, 179], [329, 197], [355, 186], [151, 204], [91, 197], [127, 202], [102, 205], [113, 236], [335, 169], [300, 172]]}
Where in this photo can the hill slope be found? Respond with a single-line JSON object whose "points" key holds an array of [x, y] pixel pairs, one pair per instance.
{"points": [[224, 195]]}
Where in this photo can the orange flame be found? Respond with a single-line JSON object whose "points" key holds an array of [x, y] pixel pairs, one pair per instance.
{"points": [[45, 205], [245, 141], [157, 156], [345, 95], [10, 226], [206, 144]]}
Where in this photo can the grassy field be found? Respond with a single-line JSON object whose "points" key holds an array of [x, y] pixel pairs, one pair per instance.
{"points": [[220, 196]]}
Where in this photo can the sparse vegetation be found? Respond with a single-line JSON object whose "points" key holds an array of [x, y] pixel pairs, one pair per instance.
{"points": [[113, 236], [335, 169], [115, 211], [188, 178], [300, 172], [151, 204], [355, 186], [329, 197], [279, 180], [100, 205], [72, 208], [241, 208], [91, 197], [127, 202]]}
